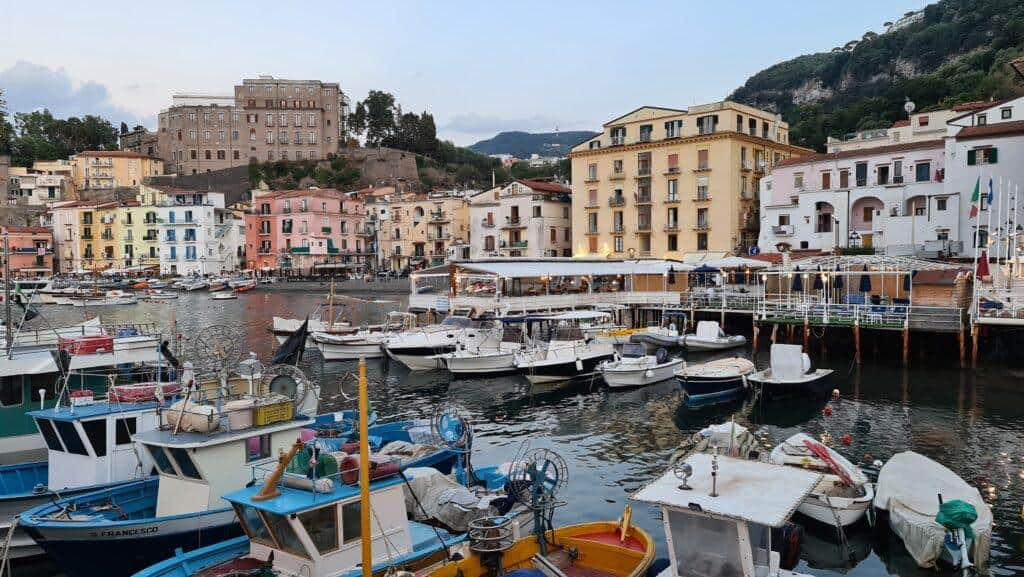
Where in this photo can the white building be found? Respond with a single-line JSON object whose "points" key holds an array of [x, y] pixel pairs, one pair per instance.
{"points": [[197, 236], [525, 218], [920, 127], [889, 198], [988, 143], [34, 187]]}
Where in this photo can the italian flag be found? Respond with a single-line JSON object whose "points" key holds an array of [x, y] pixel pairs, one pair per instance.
{"points": [[975, 198]]}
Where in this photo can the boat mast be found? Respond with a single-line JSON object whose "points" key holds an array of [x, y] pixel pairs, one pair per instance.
{"points": [[7, 291], [330, 307], [364, 472]]}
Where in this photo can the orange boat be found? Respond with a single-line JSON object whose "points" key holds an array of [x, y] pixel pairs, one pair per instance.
{"points": [[140, 285], [245, 288]]}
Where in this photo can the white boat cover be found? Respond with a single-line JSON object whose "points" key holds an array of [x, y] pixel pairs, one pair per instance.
{"points": [[908, 487], [793, 451], [443, 499], [788, 362]]}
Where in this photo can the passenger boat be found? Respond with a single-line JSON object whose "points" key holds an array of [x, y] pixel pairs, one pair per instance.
{"points": [[720, 514], [844, 495], [565, 356], [633, 367], [715, 380], [709, 336], [89, 448], [917, 493], [789, 374], [421, 349], [494, 355], [194, 285], [159, 295]]}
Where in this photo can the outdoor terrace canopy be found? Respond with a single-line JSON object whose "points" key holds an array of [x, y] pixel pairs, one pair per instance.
{"points": [[561, 267]]}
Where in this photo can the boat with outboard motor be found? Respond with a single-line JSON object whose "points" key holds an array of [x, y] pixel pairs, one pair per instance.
{"points": [[421, 349], [633, 367], [366, 341], [709, 336], [494, 355], [109, 298], [790, 374], [566, 355], [721, 513], [844, 495], [664, 335], [715, 380]]}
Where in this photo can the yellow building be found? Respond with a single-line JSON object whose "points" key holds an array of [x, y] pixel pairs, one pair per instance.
{"points": [[102, 170], [677, 184], [423, 229]]}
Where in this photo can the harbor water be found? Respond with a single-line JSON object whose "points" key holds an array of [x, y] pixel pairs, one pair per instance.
{"points": [[614, 441]]}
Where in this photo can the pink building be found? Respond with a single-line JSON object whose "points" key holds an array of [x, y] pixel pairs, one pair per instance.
{"points": [[305, 231], [31, 251]]}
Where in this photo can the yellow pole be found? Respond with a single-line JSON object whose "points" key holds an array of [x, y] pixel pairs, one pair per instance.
{"points": [[364, 472]]}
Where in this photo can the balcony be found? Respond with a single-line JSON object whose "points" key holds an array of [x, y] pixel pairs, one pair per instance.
{"points": [[299, 250], [702, 197], [325, 229], [487, 223], [618, 229], [617, 201], [672, 170], [782, 230], [702, 168], [672, 227], [590, 179], [643, 172], [438, 216], [643, 199], [439, 236], [643, 225], [511, 223], [702, 226], [333, 250], [672, 199], [746, 165], [591, 231], [107, 236], [592, 205], [86, 236], [150, 238], [519, 244], [618, 140], [617, 176]]}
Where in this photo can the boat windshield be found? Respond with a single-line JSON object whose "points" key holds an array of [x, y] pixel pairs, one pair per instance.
{"points": [[704, 546], [461, 322], [511, 335], [633, 350], [566, 334]]}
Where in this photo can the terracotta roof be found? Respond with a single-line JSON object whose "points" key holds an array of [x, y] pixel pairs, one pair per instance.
{"points": [[976, 105], [29, 229], [116, 154], [861, 152], [900, 123], [996, 129], [545, 186]]}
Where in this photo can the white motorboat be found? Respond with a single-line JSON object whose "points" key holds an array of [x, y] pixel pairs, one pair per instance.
{"points": [[421, 349], [224, 296], [159, 295], [844, 495], [496, 354], [790, 374], [912, 487], [195, 285], [715, 380], [565, 356], [364, 343], [710, 337], [633, 367], [109, 298], [719, 514], [657, 337]]}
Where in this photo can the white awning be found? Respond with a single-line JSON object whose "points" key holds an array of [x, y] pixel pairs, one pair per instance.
{"points": [[558, 267], [737, 262]]}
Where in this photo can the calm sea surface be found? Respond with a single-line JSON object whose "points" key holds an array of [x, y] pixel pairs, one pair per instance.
{"points": [[615, 441]]}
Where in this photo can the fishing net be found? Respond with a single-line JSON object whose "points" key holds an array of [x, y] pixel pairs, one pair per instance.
{"points": [[957, 514]]}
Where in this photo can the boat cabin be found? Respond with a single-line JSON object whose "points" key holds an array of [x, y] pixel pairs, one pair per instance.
{"points": [[198, 466], [91, 444], [718, 513], [320, 534]]}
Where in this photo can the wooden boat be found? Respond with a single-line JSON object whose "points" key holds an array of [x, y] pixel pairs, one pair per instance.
{"points": [[242, 288], [790, 374]]}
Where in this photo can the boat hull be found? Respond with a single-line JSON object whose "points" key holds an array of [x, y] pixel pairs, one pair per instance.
{"points": [[420, 358], [562, 370], [348, 352], [815, 383], [698, 390], [640, 376], [480, 365], [697, 344], [847, 511]]}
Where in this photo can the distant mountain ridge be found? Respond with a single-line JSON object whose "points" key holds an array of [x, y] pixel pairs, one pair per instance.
{"points": [[523, 144]]}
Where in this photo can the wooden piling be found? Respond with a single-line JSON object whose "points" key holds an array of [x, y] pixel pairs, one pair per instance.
{"points": [[856, 342], [775, 331], [754, 339], [906, 345], [807, 335], [963, 347], [974, 347]]}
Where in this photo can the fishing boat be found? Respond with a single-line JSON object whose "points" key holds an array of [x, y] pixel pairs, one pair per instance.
{"points": [[218, 284], [715, 380], [194, 285], [709, 336], [789, 374], [109, 298], [244, 287], [224, 296], [366, 341], [89, 448], [565, 356], [420, 349], [844, 495], [633, 367], [720, 514], [494, 355], [935, 512]]}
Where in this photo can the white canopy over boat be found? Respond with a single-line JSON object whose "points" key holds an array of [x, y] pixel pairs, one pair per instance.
{"points": [[909, 486]]}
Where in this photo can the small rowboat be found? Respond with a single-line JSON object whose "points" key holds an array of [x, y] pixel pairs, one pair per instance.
{"points": [[225, 296]]}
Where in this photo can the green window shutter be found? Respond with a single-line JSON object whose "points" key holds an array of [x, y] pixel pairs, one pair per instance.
{"points": [[992, 156], [972, 157]]}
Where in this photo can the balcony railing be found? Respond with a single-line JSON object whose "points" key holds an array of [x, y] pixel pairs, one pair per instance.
{"points": [[643, 171], [617, 201], [487, 223], [643, 225], [438, 216], [617, 176], [514, 223], [672, 227], [672, 170], [618, 140], [672, 199], [702, 226], [439, 236], [782, 230], [592, 230], [702, 168], [702, 196], [643, 199]]}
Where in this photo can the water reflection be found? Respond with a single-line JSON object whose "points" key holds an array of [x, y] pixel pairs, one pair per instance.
{"points": [[616, 440]]}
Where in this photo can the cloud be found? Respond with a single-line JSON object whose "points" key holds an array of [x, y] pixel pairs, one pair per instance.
{"points": [[28, 86]]}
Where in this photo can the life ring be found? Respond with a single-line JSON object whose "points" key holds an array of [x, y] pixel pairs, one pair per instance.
{"points": [[624, 524]]}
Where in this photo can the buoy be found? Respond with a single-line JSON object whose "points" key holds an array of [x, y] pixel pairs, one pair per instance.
{"points": [[835, 394], [847, 439], [827, 411], [868, 458]]}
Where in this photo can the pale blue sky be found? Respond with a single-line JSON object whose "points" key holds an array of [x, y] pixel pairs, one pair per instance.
{"points": [[480, 67]]}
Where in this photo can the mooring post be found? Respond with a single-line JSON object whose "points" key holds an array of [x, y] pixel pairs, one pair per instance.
{"points": [[963, 346], [807, 334], [755, 334], [974, 347], [856, 341], [906, 345], [775, 330]]}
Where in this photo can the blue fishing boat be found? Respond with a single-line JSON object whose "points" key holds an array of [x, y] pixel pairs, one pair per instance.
{"points": [[183, 508]]}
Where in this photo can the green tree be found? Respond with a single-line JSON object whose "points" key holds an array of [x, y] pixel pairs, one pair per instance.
{"points": [[39, 136], [6, 130], [374, 117]]}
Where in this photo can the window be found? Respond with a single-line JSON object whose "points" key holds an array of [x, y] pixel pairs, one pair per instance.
{"points": [[673, 128], [618, 244], [861, 173], [185, 464], [673, 242], [123, 431], [645, 132], [11, 391], [702, 188], [96, 432], [191, 134], [206, 135], [592, 222], [643, 163], [940, 204], [923, 172], [673, 163], [882, 173], [592, 244], [982, 120], [783, 219], [702, 159], [49, 435], [536, 211], [322, 527], [897, 171], [702, 241], [253, 524], [798, 181], [207, 154], [69, 434], [257, 448], [617, 166], [252, 134], [591, 172], [922, 120], [707, 124], [161, 460], [618, 135], [982, 156], [554, 235], [673, 190], [565, 212], [351, 522], [869, 214], [1006, 113]]}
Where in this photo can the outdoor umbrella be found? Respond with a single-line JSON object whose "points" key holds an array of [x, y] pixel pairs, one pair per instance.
{"points": [[741, 276], [906, 281], [838, 282], [983, 271], [672, 274], [865, 282], [818, 283], [798, 281]]}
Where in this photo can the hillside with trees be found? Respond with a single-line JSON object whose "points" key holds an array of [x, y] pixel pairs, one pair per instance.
{"points": [[38, 135], [957, 52], [523, 144]]}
